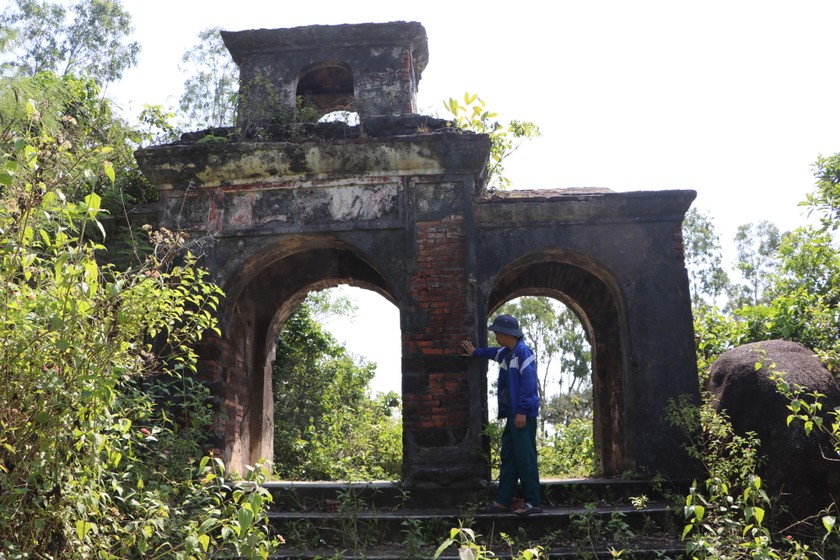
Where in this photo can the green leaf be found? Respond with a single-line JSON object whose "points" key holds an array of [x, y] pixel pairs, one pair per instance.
{"points": [[109, 171], [207, 526], [246, 517], [191, 543], [31, 156], [699, 512], [443, 546], [82, 528], [93, 202]]}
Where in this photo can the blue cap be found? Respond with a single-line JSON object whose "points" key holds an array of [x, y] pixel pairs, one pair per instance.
{"points": [[506, 324]]}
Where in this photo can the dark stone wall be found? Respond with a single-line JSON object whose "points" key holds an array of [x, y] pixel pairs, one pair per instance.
{"points": [[272, 62], [395, 204], [616, 259], [400, 216]]}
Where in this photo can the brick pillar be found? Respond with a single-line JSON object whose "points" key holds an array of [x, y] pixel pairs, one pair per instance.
{"points": [[440, 439], [440, 292]]}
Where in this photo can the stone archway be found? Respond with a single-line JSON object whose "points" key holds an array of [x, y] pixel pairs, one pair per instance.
{"points": [[328, 86], [618, 257], [261, 295], [398, 204], [571, 280]]}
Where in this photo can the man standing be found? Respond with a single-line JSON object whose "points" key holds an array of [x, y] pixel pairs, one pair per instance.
{"points": [[519, 404]]}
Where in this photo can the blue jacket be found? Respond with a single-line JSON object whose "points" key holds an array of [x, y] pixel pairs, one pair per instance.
{"points": [[518, 391]]}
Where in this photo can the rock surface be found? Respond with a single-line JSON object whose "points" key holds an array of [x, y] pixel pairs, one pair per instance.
{"points": [[803, 470]]}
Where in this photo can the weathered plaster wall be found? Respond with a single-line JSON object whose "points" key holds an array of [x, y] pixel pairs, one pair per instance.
{"points": [[417, 234], [396, 205]]}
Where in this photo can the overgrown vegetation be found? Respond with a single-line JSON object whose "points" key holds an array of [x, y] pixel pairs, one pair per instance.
{"points": [[795, 299], [101, 424], [327, 425], [104, 447], [505, 139]]}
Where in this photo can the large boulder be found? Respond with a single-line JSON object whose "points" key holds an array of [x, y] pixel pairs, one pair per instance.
{"points": [[802, 470]]}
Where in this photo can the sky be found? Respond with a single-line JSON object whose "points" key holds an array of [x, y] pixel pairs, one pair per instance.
{"points": [[732, 99]]}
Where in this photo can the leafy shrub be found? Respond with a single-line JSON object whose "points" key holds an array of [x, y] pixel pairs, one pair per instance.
{"points": [[725, 515], [101, 423], [569, 452]]}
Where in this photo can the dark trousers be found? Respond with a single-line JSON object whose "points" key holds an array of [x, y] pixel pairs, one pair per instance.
{"points": [[519, 463]]}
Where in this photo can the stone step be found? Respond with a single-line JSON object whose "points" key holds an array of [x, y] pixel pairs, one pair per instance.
{"points": [[564, 532], [587, 517], [645, 551], [323, 496]]}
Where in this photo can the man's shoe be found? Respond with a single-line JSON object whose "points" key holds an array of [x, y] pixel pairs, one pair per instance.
{"points": [[527, 509], [493, 507]]}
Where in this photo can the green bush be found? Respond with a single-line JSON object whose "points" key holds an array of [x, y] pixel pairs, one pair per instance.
{"points": [[727, 515], [101, 424], [569, 452]]}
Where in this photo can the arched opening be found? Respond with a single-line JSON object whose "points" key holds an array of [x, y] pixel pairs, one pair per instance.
{"points": [[371, 329], [327, 87], [590, 294], [262, 297], [336, 389], [564, 375]]}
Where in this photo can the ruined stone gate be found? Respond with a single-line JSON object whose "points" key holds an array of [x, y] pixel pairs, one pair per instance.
{"points": [[397, 204]]}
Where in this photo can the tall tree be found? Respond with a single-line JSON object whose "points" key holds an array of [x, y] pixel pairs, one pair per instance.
{"points": [[703, 259], [808, 260], [209, 98], [87, 38], [803, 295], [757, 245]]}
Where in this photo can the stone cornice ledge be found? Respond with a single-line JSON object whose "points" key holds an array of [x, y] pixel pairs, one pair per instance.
{"points": [[581, 205], [212, 164]]}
